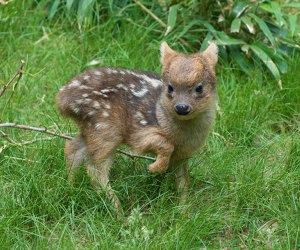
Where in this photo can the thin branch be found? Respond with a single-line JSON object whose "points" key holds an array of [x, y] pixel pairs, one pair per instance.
{"points": [[144, 8], [163, 24], [18, 74], [46, 131], [136, 156], [41, 130], [6, 137]]}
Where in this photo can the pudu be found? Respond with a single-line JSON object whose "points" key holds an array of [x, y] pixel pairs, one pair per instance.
{"points": [[169, 115]]}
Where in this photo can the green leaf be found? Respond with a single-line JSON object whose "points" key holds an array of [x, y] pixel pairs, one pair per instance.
{"points": [[293, 23], [277, 12], [238, 9], [235, 25], [54, 9], [224, 39], [172, 18], [275, 56], [208, 26], [267, 61], [205, 44], [275, 29], [266, 6], [292, 5], [69, 4], [261, 23], [188, 27], [240, 59], [247, 21]]}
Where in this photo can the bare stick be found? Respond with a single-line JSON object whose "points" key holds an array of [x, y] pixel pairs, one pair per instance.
{"points": [[17, 74], [156, 18], [143, 7], [6, 137], [46, 131], [41, 130], [136, 156]]}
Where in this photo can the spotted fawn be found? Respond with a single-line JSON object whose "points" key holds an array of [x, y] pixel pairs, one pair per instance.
{"points": [[169, 115]]}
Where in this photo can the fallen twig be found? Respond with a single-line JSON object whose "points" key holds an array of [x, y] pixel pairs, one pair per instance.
{"points": [[37, 129], [134, 155], [46, 131], [6, 137], [18, 74]]}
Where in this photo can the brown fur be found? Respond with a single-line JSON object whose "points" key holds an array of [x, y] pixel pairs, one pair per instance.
{"points": [[120, 106]]}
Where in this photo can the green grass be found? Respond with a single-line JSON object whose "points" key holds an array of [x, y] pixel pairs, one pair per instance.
{"points": [[245, 190]]}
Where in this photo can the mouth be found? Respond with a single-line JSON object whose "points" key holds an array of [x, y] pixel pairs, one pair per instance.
{"points": [[184, 117]]}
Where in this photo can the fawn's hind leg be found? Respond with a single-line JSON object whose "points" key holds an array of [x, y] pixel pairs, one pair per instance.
{"points": [[75, 151], [100, 154]]}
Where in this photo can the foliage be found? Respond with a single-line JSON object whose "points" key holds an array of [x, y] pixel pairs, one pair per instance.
{"points": [[248, 32]]}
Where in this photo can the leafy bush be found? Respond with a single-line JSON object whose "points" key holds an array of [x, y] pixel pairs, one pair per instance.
{"points": [[247, 32]]}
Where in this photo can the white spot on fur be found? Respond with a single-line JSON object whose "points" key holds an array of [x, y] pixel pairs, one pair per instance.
{"points": [[63, 88], [107, 106], [75, 108], [85, 95], [97, 73], [85, 87], [154, 82], [74, 84], [91, 113], [86, 77], [131, 85], [79, 101], [122, 72], [122, 86], [87, 101], [140, 93], [105, 91], [138, 114], [101, 125], [143, 122], [108, 71], [96, 105], [105, 114], [97, 93]]}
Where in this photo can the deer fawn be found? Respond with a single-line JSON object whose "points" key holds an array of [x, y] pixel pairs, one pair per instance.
{"points": [[170, 115]]}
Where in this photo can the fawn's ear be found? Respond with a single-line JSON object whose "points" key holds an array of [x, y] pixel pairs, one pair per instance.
{"points": [[165, 52], [211, 54]]}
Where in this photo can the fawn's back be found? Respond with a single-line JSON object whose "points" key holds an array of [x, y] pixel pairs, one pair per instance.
{"points": [[100, 97]]}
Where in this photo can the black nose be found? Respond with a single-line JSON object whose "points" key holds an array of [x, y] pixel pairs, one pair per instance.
{"points": [[182, 109]]}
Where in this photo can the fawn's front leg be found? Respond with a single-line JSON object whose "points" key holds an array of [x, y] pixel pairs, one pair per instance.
{"points": [[164, 150], [182, 179]]}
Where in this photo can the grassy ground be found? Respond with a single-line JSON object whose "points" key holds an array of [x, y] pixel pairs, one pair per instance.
{"points": [[245, 184]]}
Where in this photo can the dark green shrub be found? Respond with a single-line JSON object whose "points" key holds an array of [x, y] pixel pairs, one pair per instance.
{"points": [[247, 32]]}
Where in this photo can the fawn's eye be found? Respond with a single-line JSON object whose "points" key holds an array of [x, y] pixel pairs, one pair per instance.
{"points": [[199, 89], [170, 89]]}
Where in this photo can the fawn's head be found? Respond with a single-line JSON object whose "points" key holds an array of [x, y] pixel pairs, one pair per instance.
{"points": [[189, 81]]}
